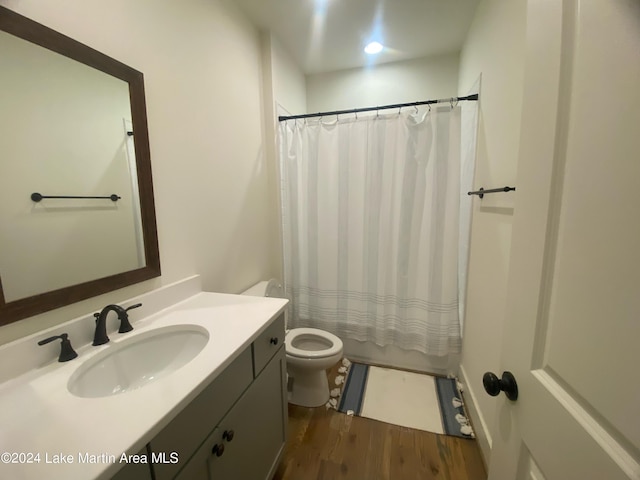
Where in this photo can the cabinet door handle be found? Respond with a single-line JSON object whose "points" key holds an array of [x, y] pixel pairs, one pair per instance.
{"points": [[218, 449], [228, 435], [274, 340]]}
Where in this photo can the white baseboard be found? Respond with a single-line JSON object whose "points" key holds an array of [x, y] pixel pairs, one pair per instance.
{"points": [[480, 428]]}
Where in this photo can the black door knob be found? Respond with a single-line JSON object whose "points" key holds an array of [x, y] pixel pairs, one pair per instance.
{"points": [[228, 435], [494, 385], [274, 340]]}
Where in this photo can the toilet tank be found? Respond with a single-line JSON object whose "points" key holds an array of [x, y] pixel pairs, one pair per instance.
{"points": [[266, 288]]}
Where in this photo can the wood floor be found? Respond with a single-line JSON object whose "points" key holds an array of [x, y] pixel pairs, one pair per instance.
{"points": [[326, 444]]}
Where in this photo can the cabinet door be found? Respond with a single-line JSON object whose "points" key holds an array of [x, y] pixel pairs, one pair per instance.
{"points": [[190, 428], [135, 471], [257, 424]]}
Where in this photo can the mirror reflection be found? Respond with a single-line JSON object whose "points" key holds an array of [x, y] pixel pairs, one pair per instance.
{"points": [[72, 124], [65, 135]]}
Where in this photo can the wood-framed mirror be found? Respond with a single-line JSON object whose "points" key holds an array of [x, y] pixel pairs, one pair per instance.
{"points": [[73, 129]]}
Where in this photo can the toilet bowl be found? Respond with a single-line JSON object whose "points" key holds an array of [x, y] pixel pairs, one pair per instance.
{"points": [[309, 351]]}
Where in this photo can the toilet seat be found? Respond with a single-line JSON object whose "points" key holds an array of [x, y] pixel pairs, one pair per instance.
{"points": [[311, 343]]}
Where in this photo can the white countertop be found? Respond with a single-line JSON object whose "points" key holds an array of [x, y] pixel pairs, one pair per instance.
{"points": [[38, 415]]}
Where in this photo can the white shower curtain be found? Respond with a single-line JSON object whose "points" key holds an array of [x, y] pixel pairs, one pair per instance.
{"points": [[371, 218]]}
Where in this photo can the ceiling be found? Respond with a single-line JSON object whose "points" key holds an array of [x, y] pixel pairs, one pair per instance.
{"points": [[328, 35]]}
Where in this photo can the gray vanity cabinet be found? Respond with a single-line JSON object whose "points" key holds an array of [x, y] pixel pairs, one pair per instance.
{"points": [[135, 471], [257, 430], [236, 428]]}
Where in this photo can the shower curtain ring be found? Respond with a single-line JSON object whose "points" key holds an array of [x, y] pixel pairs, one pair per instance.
{"points": [[416, 107]]}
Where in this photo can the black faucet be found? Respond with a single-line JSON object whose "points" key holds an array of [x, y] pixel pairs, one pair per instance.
{"points": [[100, 337], [66, 350]]}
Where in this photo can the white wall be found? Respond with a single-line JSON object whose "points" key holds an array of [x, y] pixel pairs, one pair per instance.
{"points": [[399, 82], [289, 82], [202, 69], [494, 48]]}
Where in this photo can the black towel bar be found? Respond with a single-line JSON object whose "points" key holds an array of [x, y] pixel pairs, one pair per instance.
{"points": [[482, 191], [36, 197]]}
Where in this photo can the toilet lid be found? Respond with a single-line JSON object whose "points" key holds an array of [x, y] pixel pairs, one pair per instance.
{"points": [[312, 343]]}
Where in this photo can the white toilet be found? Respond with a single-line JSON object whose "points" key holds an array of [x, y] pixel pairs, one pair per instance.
{"points": [[310, 352]]}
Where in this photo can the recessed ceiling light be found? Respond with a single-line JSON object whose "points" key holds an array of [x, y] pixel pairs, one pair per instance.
{"points": [[373, 48]]}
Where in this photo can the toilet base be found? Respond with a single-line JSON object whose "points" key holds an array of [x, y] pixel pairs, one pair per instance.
{"points": [[308, 388]]}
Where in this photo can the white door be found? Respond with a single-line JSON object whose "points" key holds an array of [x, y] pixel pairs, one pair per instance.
{"points": [[572, 336]]}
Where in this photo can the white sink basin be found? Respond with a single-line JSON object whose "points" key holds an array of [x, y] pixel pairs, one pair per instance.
{"points": [[135, 362]]}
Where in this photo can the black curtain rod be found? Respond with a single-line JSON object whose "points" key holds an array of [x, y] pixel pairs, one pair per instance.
{"points": [[383, 107]]}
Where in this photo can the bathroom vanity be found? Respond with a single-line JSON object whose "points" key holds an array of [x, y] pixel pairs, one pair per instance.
{"points": [[236, 428], [223, 414]]}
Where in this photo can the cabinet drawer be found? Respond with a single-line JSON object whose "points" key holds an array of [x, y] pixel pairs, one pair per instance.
{"points": [[267, 344], [190, 427]]}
